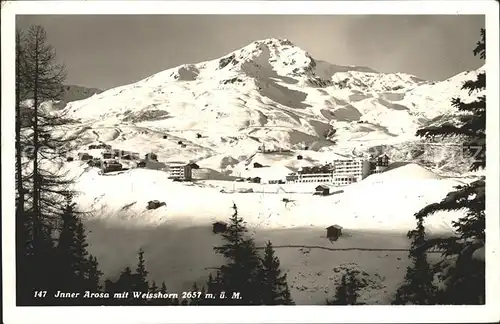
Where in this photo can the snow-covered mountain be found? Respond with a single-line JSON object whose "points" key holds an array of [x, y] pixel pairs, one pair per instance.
{"points": [[271, 92]]}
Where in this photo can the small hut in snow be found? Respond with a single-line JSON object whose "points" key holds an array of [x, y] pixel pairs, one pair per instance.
{"points": [[333, 232]]}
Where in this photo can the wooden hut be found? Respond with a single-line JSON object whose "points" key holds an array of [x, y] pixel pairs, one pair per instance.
{"points": [[219, 227], [154, 204], [256, 179], [322, 190], [333, 232]]}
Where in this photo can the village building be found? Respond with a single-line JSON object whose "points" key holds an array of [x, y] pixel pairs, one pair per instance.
{"points": [[99, 146], [340, 172], [194, 166], [350, 171], [381, 164], [115, 153], [110, 166], [84, 156], [95, 163], [180, 171], [151, 156], [107, 155]]}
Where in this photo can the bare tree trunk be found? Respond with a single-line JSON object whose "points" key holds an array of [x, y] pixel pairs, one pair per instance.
{"points": [[36, 146], [18, 147]]}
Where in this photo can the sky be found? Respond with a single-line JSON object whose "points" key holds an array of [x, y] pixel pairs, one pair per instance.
{"points": [[106, 51]]}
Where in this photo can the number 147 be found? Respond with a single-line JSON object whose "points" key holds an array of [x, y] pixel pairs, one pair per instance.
{"points": [[40, 294]]}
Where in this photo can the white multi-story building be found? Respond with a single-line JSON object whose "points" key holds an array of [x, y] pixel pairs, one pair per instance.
{"points": [[339, 173], [180, 171], [349, 171], [298, 177]]}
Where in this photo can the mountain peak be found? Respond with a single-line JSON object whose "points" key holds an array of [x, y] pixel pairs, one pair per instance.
{"points": [[274, 42], [272, 54]]}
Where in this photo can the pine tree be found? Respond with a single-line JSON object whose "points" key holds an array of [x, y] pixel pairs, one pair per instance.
{"points": [[213, 288], [77, 270], [274, 286], [81, 251], [347, 292], [241, 271], [159, 301], [163, 288], [68, 252], [417, 288], [153, 288], [463, 275], [166, 301], [93, 275], [125, 283], [142, 273], [197, 300]]}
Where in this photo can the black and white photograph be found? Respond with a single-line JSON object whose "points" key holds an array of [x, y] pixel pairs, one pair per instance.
{"points": [[167, 155]]}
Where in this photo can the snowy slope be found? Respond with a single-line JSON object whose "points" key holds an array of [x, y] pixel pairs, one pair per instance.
{"points": [[268, 92], [376, 213]]}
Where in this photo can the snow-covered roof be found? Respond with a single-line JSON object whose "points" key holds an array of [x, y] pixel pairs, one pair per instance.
{"points": [[176, 164]]}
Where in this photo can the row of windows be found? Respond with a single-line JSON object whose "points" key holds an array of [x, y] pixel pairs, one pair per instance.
{"points": [[317, 176], [345, 179]]}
